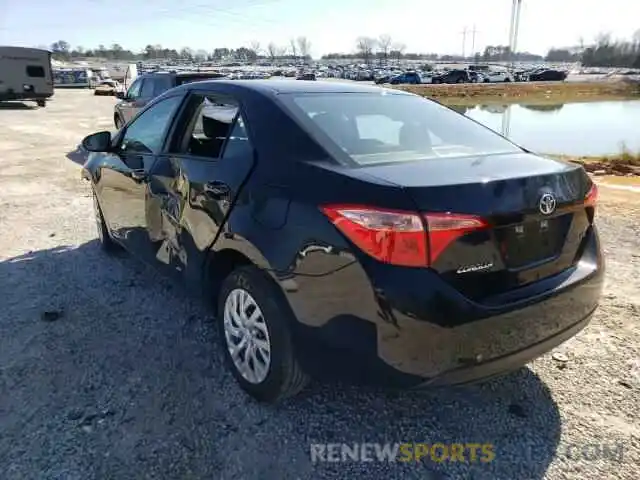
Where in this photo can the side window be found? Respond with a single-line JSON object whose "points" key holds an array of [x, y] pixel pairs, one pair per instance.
{"points": [[161, 85], [134, 89], [35, 71], [209, 125], [238, 143], [146, 133], [147, 88]]}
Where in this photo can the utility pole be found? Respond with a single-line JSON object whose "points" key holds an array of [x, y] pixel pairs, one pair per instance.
{"points": [[464, 40], [473, 40], [513, 30]]}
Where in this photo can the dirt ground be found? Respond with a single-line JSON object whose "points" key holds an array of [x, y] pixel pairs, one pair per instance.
{"points": [[565, 91], [107, 371]]}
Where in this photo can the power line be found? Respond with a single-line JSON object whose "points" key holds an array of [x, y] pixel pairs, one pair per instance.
{"points": [[171, 12]]}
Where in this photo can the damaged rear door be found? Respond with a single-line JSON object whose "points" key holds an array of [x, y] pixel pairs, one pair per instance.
{"points": [[194, 185]]}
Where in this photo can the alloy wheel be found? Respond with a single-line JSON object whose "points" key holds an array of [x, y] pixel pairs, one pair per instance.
{"points": [[247, 336]]}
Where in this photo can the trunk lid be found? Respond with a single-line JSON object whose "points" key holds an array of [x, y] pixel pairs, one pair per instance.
{"points": [[533, 207]]}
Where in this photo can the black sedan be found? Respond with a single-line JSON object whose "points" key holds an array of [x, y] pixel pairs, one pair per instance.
{"points": [[351, 219], [548, 76]]}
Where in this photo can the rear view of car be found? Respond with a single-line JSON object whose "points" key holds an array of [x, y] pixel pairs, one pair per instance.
{"points": [[427, 247], [482, 258]]}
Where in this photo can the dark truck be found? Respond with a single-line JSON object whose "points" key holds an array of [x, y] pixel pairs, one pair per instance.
{"points": [[149, 86]]}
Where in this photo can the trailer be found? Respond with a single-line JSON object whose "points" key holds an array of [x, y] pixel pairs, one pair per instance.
{"points": [[25, 74], [76, 77]]}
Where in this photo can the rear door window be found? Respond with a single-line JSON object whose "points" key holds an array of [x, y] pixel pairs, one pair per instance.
{"points": [[238, 144], [161, 84], [210, 119], [148, 86]]}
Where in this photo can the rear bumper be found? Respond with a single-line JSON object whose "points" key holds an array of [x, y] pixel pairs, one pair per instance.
{"points": [[427, 332], [506, 363]]}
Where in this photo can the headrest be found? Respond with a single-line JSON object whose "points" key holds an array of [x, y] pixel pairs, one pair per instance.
{"points": [[414, 136]]}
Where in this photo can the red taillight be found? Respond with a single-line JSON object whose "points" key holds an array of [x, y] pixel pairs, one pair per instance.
{"points": [[591, 198], [399, 237], [389, 236], [444, 228]]}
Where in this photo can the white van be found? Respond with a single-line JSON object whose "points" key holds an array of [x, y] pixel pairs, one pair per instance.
{"points": [[25, 74]]}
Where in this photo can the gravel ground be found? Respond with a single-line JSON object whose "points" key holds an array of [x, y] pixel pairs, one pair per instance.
{"points": [[107, 371]]}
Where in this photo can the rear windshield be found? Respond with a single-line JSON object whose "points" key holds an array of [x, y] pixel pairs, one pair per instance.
{"points": [[381, 128]]}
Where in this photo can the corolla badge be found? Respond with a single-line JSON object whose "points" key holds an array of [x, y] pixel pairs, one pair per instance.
{"points": [[475, 268], [547, 204]]}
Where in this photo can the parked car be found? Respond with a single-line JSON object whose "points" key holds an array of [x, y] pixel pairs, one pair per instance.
{"points": [[383, 79], [476, 76], [427, 246], [494, 76], [452, 76], [521, 75], [149, 86], [412, 78], [306, 76], [548, 75], [107, 87]]}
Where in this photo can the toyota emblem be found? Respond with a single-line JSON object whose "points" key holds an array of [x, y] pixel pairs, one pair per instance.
{"points": [[547, 204]]}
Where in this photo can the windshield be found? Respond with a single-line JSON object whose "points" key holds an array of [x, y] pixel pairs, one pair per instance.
{"points": [[381, 127]]}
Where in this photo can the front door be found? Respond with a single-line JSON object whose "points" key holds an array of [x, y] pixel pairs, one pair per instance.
{"points": [[124, 182]]}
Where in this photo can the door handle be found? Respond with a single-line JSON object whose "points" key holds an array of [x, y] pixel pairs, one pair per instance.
{"points": [[138, 175], [217, 190]]}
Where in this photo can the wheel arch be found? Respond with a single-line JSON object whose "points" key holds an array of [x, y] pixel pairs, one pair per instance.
{"points": [[224, 256]]}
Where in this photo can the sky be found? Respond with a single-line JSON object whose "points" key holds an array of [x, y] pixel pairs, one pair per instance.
{"points": [[428, 26]]}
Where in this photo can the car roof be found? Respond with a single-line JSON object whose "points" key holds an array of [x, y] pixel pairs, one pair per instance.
{"points": [[184, 74], [275, 87]]}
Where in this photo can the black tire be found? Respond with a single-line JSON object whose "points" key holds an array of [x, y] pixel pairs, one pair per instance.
{"points": [[41, 103], [284, 377], [104, 237]]}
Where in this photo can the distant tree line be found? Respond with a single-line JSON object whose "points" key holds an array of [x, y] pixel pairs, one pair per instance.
{"points": [[297, 50], [607, 53], [382, 50]]}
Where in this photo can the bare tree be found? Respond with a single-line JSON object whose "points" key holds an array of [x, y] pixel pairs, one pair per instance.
{"points": [[255, 46], [281, 52], [603, 38], [304, 47], [294, 49], [384, 44], [365, 47], [398, 51], [272, 51]]}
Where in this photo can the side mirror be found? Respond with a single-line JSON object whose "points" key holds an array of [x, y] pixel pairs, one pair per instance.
{"points": [[97, 142], [121, 95]]}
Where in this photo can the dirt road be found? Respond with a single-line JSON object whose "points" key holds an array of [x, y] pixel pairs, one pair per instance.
{"points": [[107, 371]]}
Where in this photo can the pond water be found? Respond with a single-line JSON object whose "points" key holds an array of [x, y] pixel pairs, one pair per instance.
{"points": [[586, 128]]}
